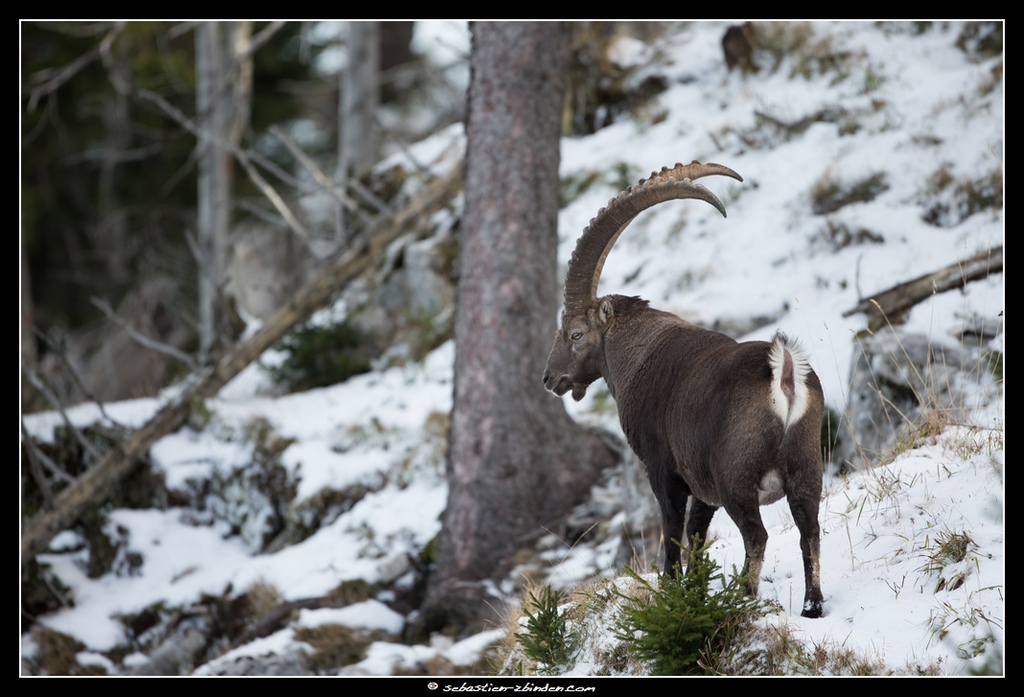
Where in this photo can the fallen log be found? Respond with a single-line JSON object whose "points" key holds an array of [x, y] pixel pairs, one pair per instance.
{"points": [[94, 485], [892, 303]]}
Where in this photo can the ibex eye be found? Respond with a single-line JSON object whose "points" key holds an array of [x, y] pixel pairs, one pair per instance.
{"points": [[576, 336]]}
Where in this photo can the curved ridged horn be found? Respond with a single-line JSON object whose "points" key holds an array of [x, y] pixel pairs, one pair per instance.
{"points": [[592, 247]]}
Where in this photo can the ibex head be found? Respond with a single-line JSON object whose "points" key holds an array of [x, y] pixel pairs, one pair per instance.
{"points": [[577, 356]]}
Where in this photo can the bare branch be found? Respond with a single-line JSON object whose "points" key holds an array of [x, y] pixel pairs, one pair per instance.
{"points": [[51, 79], [140, 338], [318, 174], [272, 167], [122, 83], [59, 76], [181, 29], [59, 408], [895, 301], [368, 196], [273, 197], [37, 457], [34, 467], [261, 213], [59, 350], [240, 155], [98, 481], [257, 41]]}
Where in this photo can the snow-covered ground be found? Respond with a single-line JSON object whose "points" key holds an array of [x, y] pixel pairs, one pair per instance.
{"points": [[906, 105]]}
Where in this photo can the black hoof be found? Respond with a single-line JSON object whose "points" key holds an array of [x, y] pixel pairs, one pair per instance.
{"points": [[812, 609]]}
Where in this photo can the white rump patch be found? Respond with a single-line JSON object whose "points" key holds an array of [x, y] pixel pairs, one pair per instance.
{"points": [[788, 407]]}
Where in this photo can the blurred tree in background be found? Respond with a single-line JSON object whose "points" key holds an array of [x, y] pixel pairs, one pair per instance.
{"points": [[109, 177], [111, 117]]}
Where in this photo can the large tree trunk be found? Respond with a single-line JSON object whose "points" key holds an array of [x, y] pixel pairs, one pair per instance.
{"points": [[517, 461]]}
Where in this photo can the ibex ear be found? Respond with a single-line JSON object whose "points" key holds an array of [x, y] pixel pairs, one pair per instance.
{"points": [[605, 311]]}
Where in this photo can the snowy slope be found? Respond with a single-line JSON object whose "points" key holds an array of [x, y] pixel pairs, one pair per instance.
{"points": [[906, 106]]}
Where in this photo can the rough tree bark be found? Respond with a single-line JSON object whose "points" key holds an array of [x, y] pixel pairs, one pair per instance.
{"points": [[517, 462]]}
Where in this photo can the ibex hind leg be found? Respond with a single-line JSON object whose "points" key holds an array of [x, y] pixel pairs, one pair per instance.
{"points": [[805, 515]]}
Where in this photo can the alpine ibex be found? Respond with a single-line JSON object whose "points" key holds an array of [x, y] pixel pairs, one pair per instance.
{"points": [[715, 422]]}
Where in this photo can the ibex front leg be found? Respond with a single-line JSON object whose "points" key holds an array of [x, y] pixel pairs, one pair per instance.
{"points": [[698, 519], [746, 513], [672, 494]]}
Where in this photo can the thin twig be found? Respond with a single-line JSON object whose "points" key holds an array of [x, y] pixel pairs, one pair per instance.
{"points": [[142, 339], [122, 85], [273, 196], [54, 469], [261, 213], [257, 41], [45, 459], [66, 72], [240, 155], [370, 197], [59, 76], [35, 469], [38, 383], [60, 351], [57, 593], [318, 174], [272, 167]]}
